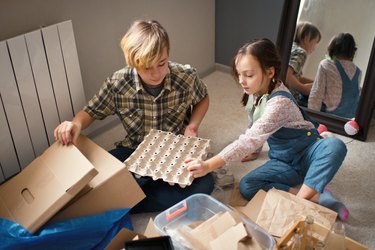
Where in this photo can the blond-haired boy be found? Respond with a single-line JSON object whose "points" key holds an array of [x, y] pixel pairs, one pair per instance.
{"points": [[149, 93]]}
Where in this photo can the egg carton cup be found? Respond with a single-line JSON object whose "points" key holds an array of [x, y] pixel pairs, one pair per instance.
{"points": [[161, 155]]}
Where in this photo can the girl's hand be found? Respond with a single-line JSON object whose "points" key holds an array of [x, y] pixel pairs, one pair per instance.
{"points": [[197, 167]]}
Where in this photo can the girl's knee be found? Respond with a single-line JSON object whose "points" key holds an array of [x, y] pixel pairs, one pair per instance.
{"points": [[335, 147], [340, 145]]}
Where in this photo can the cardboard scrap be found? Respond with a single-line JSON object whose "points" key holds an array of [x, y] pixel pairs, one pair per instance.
{"points": [[150, 230], [213, 227], [185, 238], [253, 207], [230, 238], [221, 231], [280, 211], [123, 235]]}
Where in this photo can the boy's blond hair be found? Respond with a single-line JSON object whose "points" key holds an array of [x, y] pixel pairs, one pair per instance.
{"points": [[144, 43], [306, 29]]}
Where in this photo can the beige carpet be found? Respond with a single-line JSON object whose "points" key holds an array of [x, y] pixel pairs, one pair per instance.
{"points": [[226, 120]]}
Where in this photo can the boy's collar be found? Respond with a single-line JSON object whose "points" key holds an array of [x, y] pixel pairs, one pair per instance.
{"points": [[138, 81]]}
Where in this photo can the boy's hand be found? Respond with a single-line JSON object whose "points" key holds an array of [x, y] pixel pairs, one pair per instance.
{"points": [[191, 130], [67, 132]]}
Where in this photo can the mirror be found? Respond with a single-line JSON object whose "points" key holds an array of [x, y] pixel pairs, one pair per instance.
{"points": [[366, 104]]}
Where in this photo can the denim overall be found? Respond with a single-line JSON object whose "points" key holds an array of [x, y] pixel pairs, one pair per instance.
{"points": [[296, 156], [350, 94]]}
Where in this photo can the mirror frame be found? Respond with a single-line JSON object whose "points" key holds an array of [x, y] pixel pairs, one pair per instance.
{"points": [[334, 123]]}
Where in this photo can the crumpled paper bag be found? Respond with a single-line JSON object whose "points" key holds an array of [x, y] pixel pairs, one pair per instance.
{"points": [[280, 210]]}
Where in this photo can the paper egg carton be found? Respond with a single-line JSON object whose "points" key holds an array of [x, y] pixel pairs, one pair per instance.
{"points": [[161, 155]]}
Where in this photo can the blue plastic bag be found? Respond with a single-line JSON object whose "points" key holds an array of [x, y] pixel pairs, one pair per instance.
{"points": [[89, 232]]}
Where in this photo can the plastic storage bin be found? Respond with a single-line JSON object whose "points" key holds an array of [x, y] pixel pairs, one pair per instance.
{"points": [[200, 207]]}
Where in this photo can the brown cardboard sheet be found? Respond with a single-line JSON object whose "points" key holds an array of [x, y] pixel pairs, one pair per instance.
{"points": [[45, 186]]}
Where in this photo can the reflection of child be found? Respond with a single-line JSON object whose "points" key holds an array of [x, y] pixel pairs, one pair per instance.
{"points": [[307, 36], [150, 93], [298, 155], [336, 86]]}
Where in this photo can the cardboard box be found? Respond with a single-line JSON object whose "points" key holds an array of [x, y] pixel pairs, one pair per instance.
{"points": [[113, 188], [45, 186], [254, 210]]}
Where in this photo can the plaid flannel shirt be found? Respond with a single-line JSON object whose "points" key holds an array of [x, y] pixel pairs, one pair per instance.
{"points": [[297, 59], [123, 94]]}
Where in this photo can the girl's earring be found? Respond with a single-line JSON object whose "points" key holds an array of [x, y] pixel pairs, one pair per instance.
{"points": [[273, 80]]}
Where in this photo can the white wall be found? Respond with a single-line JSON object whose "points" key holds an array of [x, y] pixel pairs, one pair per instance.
{"points": [[335, 16], [99, 25]]}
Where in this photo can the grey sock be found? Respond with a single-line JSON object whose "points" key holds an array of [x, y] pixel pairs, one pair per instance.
{"points": [[327, 200]]}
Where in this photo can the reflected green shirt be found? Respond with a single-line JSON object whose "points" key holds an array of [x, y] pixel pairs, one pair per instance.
{"points": [[297, 59]]}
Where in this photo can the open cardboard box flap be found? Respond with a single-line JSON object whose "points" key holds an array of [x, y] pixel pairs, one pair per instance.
{"points": [[67, 182], [113, 188], [276, 211], [45, 186]]}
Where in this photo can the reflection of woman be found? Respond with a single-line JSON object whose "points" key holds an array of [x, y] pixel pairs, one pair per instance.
{"points": [[336, 86], [306, 38]]}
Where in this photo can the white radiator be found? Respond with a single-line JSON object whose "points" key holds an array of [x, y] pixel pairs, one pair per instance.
{"points": [[40, 86]]}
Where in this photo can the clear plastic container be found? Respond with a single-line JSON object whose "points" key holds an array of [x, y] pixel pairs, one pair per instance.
{"points": [[200, 207]]}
